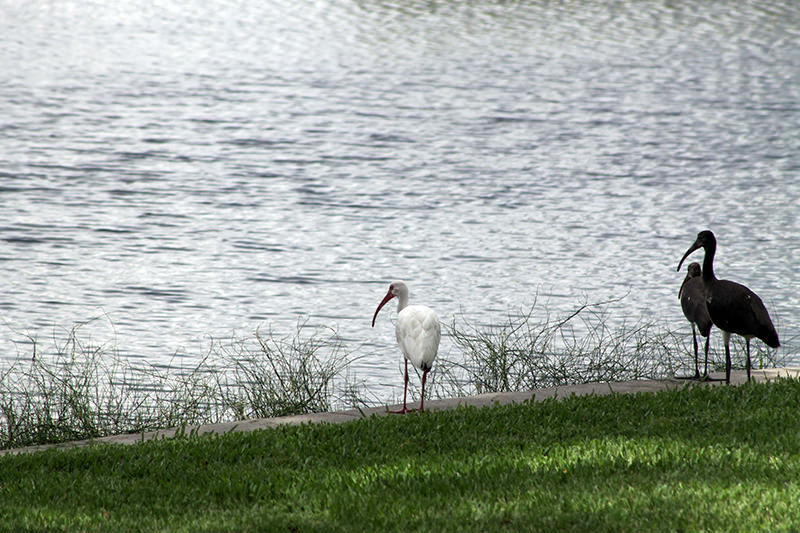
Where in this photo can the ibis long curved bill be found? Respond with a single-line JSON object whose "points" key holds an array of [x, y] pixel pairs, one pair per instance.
{"points": [[386, 298], [693, 303], [418, 333], [733, 308], [695, 246]]}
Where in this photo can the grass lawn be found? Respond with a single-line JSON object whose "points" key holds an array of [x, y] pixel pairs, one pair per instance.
{"points": [[717, 458]]}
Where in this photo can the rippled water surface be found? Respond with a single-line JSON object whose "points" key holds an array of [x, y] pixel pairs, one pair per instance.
{"points": [[199, 170]]}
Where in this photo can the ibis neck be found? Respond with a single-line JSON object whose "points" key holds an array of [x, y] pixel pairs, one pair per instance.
{"points": [[708, 264], [685, 281], [402, 302]]}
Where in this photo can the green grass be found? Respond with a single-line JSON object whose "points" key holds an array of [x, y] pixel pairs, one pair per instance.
{"points": [[720, 458]]}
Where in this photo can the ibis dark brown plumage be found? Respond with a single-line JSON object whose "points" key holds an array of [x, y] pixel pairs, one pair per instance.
{"points": [[693, 303], [733, 308]]}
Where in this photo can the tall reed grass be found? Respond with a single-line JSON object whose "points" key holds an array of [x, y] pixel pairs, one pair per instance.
{"points": [[83, 390], [525, 352], [533, 349]]}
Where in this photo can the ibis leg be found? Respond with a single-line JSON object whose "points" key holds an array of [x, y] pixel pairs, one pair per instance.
{"points": [[422, 398], [726, 337], [405, 388], [747, 364], [705, 371], [404, 410], [694, 340]]}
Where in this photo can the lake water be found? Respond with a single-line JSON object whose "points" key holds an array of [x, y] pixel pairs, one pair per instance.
{"points": [[192, 171]]}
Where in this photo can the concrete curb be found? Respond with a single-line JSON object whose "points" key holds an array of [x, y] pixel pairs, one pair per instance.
{"points": [[481, 400]]}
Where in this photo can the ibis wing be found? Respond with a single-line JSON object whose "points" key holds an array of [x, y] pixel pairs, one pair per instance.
{"points": [[418, 334], [693, 303], [737, 309]]}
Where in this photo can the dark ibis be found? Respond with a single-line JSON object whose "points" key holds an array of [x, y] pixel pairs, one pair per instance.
{"points": [[733, 308], [417, 332], [693, 303]]}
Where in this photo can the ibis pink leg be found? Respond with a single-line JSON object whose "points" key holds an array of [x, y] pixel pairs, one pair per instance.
{"points": [[404, 410], [422, 399]]}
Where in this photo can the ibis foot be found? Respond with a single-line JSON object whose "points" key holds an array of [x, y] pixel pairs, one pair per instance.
{"points": [[709, 378]]}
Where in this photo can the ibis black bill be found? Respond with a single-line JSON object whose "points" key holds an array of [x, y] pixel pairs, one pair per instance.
{"points": [[691, 249]]}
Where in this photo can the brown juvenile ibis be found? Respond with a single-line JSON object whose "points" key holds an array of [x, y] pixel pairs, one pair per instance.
{"points": [[417, 332], [733, 308], [693, 303]]}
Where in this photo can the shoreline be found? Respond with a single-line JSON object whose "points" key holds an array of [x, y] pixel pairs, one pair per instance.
{"points": [[738, 377]]}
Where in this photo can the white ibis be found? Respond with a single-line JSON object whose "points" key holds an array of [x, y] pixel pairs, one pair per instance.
{"points": [[733, 308], [418, 333], [693, 303]]}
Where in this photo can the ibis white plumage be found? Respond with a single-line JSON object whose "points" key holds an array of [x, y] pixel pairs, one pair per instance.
{"points": [[418, 333]]}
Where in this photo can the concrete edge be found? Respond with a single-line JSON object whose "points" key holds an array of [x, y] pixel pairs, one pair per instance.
{"points": [[482, 400]]}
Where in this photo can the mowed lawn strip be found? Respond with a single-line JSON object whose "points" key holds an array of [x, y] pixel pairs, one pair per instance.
{"points": [[698, 458]]}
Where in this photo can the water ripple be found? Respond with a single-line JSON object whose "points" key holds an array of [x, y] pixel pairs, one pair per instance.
{"points": [[189, 176]]}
